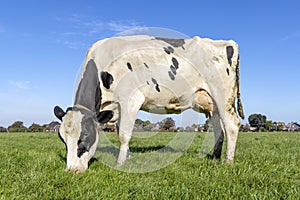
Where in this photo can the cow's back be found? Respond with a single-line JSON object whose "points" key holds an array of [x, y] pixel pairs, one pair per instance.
{"points": [[162, 69]]}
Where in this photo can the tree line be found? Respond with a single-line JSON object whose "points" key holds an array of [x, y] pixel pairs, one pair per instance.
{"points": [[167, 124], [259, 122], [18, 126], [256, 122]]}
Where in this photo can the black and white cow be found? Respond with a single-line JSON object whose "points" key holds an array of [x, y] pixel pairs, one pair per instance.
{"points": [[123, 75]]}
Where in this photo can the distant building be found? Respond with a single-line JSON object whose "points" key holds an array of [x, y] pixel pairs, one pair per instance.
{"points": [[199, 128], [155, 127], [279, 124], [246, 128], [2, 129], [53, 127], [293, 126]]}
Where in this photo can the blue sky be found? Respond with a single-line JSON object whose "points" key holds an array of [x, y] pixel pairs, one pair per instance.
{"points": [[43, 44]]}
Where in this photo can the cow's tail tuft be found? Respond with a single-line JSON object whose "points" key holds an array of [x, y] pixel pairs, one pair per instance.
{"points": [[239, 101]]}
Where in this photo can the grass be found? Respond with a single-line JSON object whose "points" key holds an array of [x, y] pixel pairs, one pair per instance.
{"points": [[267, 166]]}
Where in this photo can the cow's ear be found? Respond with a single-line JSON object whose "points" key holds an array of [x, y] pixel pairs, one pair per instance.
{"points": [[59, 113], [105, 116]]}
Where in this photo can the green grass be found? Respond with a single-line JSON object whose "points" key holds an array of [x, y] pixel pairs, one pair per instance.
{"points": [[267, 166]]}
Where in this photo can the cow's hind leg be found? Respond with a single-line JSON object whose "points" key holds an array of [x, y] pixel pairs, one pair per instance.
{"points": [[204, 103], [231, 126], [128, 113], [218, 134]]}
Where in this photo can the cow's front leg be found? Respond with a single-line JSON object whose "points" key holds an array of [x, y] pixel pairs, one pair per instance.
{"points": [[127, 120], [124, 148], [128, 112], [231, 126]]}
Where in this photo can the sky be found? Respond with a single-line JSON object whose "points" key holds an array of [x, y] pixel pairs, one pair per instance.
{"points": [[43, 45]]}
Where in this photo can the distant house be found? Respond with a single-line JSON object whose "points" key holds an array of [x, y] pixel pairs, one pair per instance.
{"points": [[2, 129], [281, 126], [247, 128], [53, 127], [155, 127], [198, 127], [293, 126]]}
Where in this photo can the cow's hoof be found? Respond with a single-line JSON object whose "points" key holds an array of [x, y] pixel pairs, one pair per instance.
{"points": [[229, 161], [75, 171], [119, 164], [213, 157]]}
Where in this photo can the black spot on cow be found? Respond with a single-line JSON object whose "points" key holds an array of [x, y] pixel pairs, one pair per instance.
{"points": [[227, 70], [88, 132], [157, 88], [173, 42], [107, 79], [81, 148], [171, 75], [175, 63], [146, 65], [87, 136], [98, 97], [156, 84], [229, 52], [154, 81], [148, 83], [169, 50], [88, 93], [129, 66], [173, 69]]}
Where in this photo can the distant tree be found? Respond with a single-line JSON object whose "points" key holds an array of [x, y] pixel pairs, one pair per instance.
{"points": [[138, 124], [17, 127], [278, 127], [188, 129], [195, 127], [269, 126], [167, 123], [143, 125], [180, 129], [206, 125], [147, 125], [258, 121], [44, 126], [35, 128]]}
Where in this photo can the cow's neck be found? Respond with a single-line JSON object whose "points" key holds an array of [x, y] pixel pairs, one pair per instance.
{"points": [[88, 93]]}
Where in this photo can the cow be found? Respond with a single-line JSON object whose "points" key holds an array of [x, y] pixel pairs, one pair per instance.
{"points": [[125, 74]]}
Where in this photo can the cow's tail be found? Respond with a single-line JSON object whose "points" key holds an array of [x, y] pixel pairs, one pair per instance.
{"points": [[239, 101]]}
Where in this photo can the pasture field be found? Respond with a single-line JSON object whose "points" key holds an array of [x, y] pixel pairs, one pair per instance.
{"points": [[267, 166]]}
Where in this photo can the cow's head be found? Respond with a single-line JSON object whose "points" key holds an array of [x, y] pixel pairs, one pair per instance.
{"points": [[79, 131]]}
